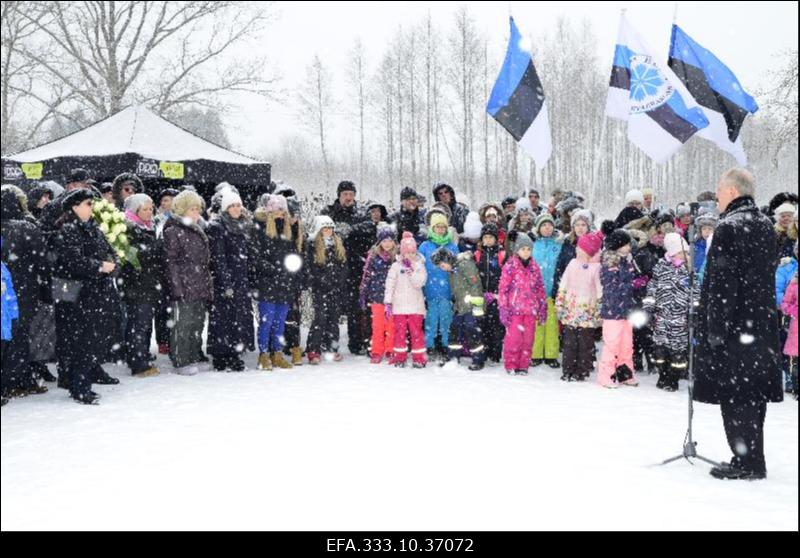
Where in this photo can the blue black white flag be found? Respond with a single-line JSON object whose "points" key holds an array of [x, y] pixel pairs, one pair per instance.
{"points": [[517, 101], [716, 89], [660, 112]]}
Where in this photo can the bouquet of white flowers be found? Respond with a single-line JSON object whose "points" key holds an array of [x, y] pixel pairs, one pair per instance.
{"points": [[111, 221]]}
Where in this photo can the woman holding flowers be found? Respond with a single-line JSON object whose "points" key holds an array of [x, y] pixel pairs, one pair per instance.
{"points": [[87, 302]]}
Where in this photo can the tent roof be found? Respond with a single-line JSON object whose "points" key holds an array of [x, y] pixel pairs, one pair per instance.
{"points": [[135, 129]]}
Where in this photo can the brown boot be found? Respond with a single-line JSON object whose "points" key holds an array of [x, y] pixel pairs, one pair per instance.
{"points": [[278, 361], [149, 373], [264, 363], [297, 356]]}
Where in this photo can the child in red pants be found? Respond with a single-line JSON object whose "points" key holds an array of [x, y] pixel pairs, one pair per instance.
{"points": [[405, 303], [372, 291], [616, 276], [522, 304]]}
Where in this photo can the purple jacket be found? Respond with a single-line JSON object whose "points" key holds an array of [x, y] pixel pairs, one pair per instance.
{"points": [[373, 280], [616, 276], [522, 289]]}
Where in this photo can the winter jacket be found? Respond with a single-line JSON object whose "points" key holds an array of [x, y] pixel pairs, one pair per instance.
{"points": [[25, 253], [358, 233], [490, 265], [230, 321], [737, 319], [616, 276], [568, 252], [438, 285], [188, 260], [143, 284], [786, 240], [667, 302], [10, 305], [783, 275], [579, 293], [699, 253], [411, 221], [627, 215], [546, 252], [269, 277], [373, 281], [522, 289], [404, 286], [459, 210], [789, 307], [327, 278], [465, 282]]}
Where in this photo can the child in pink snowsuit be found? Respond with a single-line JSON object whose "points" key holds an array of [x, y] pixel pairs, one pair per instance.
{"points": [[789, 307], [523, 305], [404, 303]]}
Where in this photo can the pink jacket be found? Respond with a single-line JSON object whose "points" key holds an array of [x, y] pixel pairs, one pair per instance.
{"points": [[522, 289], [578, 295], [404, 287], [789, 307]]}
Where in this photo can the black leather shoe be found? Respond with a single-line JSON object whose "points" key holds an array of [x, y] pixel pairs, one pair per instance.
{"points": [[90, 398], [727, 472], [106, 380]]}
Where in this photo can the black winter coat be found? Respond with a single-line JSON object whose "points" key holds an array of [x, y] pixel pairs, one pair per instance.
{"points": [[25, 254], [627, 215], [411, 221], [568, 253], [91, 325], [490, 268], [737, 307], [270, 280], [359, 235], [143, 285], [187, 259], [230, 322], [324, 279]]}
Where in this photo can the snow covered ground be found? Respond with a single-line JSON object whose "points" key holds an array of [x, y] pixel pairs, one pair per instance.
{"points": [[349, 446]]}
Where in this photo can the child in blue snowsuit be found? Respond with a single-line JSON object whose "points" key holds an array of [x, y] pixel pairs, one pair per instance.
{"points": [[439, 314], [10, 305]]}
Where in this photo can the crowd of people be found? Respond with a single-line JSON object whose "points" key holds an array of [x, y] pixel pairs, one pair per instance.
{"points": [[522, 283]]}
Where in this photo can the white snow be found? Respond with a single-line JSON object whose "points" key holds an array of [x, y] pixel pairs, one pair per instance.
{"points": [[135, 129], [350, 446]]}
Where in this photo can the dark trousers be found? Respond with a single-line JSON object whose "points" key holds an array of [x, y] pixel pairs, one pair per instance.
{"points": [[577, 345], [357, 337], [465, 330], [324, 333], [744, 427], [291, 331], [16, 370], [186, 342], [163, 315], [642, 348], [671, 365], [138, 332], [493, 333]]}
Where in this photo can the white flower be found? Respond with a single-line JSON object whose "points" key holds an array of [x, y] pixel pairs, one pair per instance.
{"points": [[112, 238], [120, 229], [104, 228], [122, 239], [106, 217]]}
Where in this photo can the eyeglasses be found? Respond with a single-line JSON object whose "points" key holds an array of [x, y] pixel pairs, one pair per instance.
{"points": [[128, 189]]}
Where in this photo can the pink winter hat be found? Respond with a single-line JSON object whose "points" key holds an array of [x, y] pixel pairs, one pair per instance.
{"points": [[675, 244], [591, 243], [274, 203], [408, 245]]}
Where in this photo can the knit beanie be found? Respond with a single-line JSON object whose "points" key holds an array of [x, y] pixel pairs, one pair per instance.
{"points": [[785, 208], [584, 215], [385, 231], [229, 198], [345, 186], [591, 243], [276, 203], [491, 230], [438, 219], [707, 219], [523, 240], [634, 196], [407, 193], [675, 244], [408, 245], [545, 217]]}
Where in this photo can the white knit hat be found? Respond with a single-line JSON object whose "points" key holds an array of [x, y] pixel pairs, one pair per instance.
{"points": [[321, 222], [785, 208], [229, 197], [472, 226], [634, 196], [675, 244]]}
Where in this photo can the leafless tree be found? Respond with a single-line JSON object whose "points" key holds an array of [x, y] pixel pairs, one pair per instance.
{"points": [[315, 104]]}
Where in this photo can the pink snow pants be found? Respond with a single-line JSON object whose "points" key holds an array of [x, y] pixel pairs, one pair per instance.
{"points": [[617, 349], [413, 324], [518, 342]]}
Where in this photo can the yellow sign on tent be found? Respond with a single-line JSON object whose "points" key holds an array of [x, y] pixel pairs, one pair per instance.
{"points": [[33, 171], [170, 170]]}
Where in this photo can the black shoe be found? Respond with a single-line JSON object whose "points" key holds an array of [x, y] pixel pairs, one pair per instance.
{"points": [[90, 398], [106, 380], [62, 382], [3, 401], [419, 365], [237, 365], [400, 364], [220, 364], [566, 377], [444, 361], [536, 362], [726, 471], [521, 371], [553, 363], [40, 370], [475, 366], [580, 377]]}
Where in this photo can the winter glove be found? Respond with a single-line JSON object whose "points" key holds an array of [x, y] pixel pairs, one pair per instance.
{"points": [[505, 317], [477, 305], [488, 298], [407, 264], [388, 312]]}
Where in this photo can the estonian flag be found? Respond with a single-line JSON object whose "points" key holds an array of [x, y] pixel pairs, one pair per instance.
{"points": [[517, 101], [716, 90], [660, 112]]}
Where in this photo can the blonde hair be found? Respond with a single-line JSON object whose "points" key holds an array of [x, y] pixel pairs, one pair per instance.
{"points": [[320, 254], [300, 236], [377, 249], [272, 227]]}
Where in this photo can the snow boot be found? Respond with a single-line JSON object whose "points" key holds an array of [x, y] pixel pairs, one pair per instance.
{"points": [[537, 362], [220, 364], [90, 398], [553, 363], [521, 371], [297, 356], [279, 362], [163, 349], [313, 358], [264, 362], [40, 369], [236, 364], [149, 373], [417, 365], [376, 359], [475, 366], [622, 374], [105, 380]]}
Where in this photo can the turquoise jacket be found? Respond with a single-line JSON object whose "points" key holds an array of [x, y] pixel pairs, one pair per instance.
{"points": [[545, 254]]}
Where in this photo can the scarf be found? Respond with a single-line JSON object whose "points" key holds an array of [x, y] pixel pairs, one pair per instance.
{"points": [[440, 240], [133, 218]]}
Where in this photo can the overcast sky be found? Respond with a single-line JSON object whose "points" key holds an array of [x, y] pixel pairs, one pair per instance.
{"points": [[745, 35]]}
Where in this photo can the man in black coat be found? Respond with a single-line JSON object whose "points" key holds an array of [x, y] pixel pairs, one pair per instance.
{"points": [[409, 217], [358, 232], [737, 363], [78, 180], [444, 193]]}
